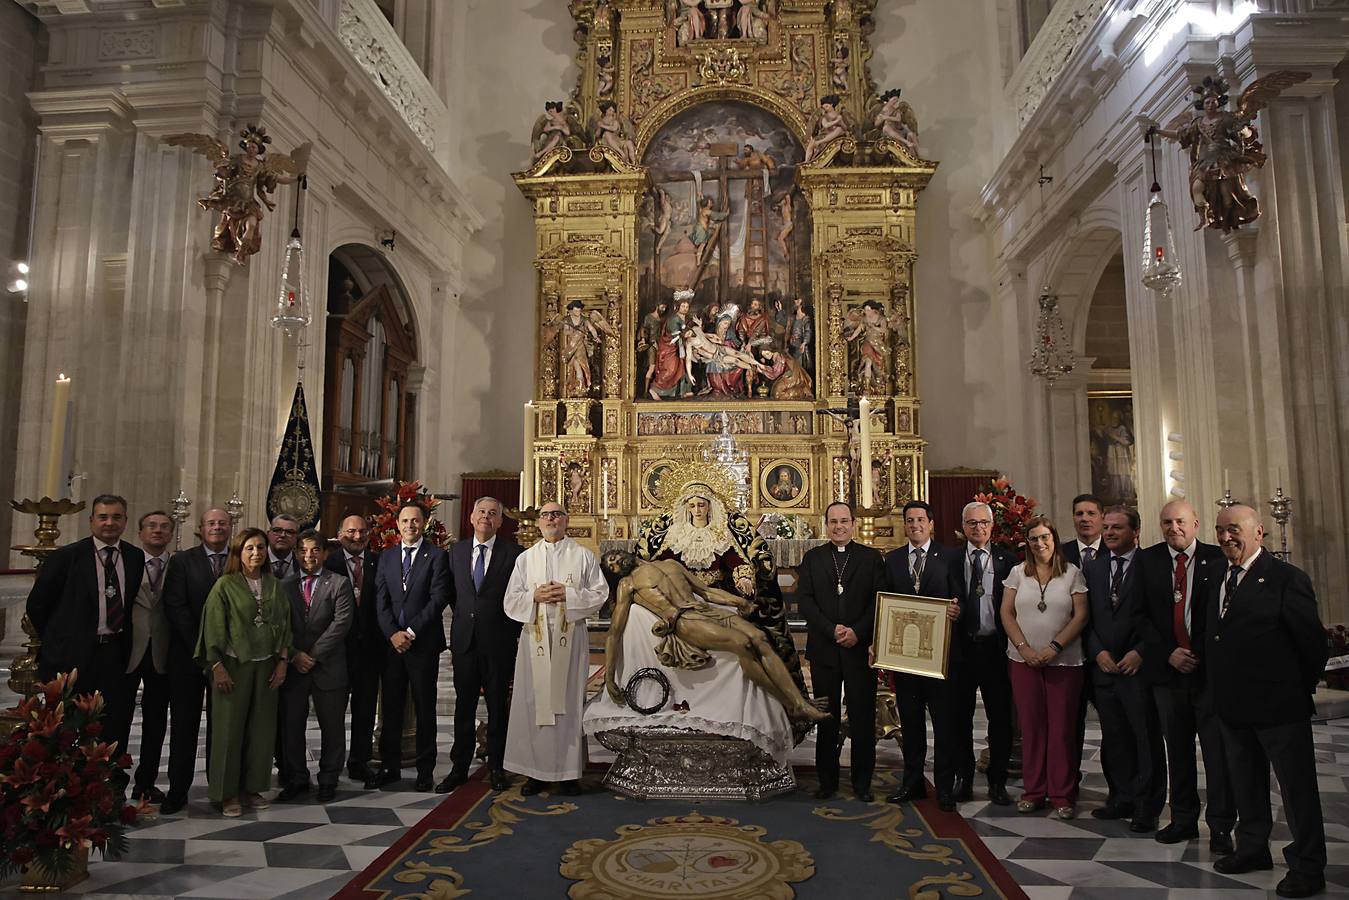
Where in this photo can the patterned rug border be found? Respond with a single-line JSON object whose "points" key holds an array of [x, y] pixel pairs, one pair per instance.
{"points": [[451, 813]]}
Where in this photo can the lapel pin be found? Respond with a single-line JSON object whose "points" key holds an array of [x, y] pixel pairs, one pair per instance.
{"points": [[1259, 581]]}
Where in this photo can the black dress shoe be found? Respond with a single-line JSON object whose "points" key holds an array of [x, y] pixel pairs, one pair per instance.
{"points": [[151, 793], [382, 778], [532, 786], [907, 793], [500, 781], [825, 792], [424, 783], [291, 791], [172, 805], [569, 788], [1220, 842], [452, 781], [361, 771], [1143, 825], [864, 795], [946, 803], [1176, 832], [1241, 863], [963, 790], [1110, 811], [326, 793], [997, 794], [1300, 884]]}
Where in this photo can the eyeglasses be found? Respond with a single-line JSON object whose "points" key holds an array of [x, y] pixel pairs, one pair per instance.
{"points": [[978, 523], [552, 514], [284, 531]]}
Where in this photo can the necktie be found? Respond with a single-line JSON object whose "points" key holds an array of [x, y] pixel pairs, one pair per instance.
{"points": [[1233, 574], [1115, 581], [407, 569], [1088, 554], [356, 577], [217, 563], [479, 567], [156, 566], [308, 591], [917, 567], [1178, 608], [976, 592], [112, 591], [279, 568]]}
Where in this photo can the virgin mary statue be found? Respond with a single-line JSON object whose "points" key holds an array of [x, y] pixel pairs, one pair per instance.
{"points": [[702, 529]]}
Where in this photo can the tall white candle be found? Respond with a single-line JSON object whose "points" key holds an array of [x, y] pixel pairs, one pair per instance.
{"points": [[1227, 479], [236, 484], [56, 449], [864, 432], [527, 475], [604, 494]]}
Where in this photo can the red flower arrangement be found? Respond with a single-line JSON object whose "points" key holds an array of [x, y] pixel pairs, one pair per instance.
{"points": [[54, 783], [1011, 511], [384, 525]]}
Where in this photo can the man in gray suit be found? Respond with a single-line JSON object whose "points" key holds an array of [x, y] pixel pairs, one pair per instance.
{"points": [[321, 604], [148, 667]]}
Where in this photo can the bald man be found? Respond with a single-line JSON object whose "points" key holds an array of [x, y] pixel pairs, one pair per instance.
{"points": [[1175, 576], [1266, 652], [365, 642]]}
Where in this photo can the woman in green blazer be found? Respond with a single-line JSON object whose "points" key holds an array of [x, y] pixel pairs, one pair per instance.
{"points": [[243, 646]]}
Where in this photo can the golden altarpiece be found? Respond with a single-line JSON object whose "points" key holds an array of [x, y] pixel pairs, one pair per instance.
{"points": [[725, 212]]}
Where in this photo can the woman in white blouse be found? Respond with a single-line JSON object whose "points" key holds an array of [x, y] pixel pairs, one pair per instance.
{"points": [[1044, 609]]}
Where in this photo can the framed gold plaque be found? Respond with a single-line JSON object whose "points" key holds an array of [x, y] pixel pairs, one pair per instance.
{"points": [[913, 634]]}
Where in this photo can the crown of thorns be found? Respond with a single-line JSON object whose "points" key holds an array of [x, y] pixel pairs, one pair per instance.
{"points": [[254, 134]]}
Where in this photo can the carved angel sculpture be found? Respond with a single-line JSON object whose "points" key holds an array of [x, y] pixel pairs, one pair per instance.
{"points": [[580, 339], [243, 184], [828, 123], [555, 128], [893, 119], [1224, 146], [615, 132]]}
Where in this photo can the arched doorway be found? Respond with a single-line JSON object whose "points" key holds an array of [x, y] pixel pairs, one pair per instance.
{"points": [[1112, 435], [370, 391]]}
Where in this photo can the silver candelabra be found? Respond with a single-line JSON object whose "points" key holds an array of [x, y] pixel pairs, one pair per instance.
{"points": [[181, 511], [1281, 508]]}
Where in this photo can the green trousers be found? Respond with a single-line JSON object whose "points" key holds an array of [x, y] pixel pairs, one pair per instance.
{"points": [[243, 732]]}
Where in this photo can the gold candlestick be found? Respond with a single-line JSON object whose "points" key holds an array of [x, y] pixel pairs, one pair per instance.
{"points": [[527, 534], [866, 522], [23, 671]]}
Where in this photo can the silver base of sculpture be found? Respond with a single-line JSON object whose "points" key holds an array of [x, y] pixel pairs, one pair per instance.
{"points": [[685, 764]]}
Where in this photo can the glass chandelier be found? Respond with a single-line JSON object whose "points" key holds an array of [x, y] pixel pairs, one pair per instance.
{"points": [[292, 299], [1161, 272], [1052, 356]]}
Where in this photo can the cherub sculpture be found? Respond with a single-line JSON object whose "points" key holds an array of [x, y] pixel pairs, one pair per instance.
{"points": [[557, 127], [1224, 146], [615, 133], [752, 21], [893, 120], [243, 185], [829, 123], [694, 620]]}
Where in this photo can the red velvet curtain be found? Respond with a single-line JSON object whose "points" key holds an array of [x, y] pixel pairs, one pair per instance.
{"points": [[505, 486], [948, 492]]}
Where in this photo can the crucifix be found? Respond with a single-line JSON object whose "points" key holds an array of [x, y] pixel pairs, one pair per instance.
{"points": [[719, 236]]}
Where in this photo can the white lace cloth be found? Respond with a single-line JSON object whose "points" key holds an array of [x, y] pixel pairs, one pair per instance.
{"points": [[721, 699]]}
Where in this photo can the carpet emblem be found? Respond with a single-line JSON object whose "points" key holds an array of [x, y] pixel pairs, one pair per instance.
{"points": [[681, 856]]}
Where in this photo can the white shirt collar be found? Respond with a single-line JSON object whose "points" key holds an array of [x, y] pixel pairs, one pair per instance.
{"points": [[490, 543], [925, 547], [163, 557], [1246, 566], [1094, 545], [413, 547], [99, 546], [272, 557], [1128, 556], [1188, 551], [970, 548]]}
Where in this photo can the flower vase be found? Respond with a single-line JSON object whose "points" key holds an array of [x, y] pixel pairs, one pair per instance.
{"points": [[37, 880]]}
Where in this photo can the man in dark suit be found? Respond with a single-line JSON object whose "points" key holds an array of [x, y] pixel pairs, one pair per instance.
{"points": [[1266, 652], [281, 537], [79, 605], [925, 569], [187, 582], [148, 665], [1130, 732], [483, 643], [837, 595], [321, 604], [412, 589], [365, 642], [1088, 520], [1175, 577], [981, 644]]}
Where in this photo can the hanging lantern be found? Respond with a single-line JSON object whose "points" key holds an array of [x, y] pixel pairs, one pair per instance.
{"points": [[292, 300], [1161, 271], [1052, 356]]}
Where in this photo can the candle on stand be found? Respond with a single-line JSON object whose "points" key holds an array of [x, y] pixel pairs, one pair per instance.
{"points": [[864, 440], [604, 494], [236, 485], [1227, 479], [527, 474], [182, 479], [56, 449]]}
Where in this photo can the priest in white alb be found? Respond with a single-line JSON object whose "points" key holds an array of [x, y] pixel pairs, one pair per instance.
{"points": [[556, 584]]}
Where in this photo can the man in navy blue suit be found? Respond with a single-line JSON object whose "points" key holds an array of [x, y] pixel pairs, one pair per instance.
{"points": [[482, 643], [412, 589]]}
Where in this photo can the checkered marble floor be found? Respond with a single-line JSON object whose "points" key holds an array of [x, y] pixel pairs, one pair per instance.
{"points": [[309, 850]]}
